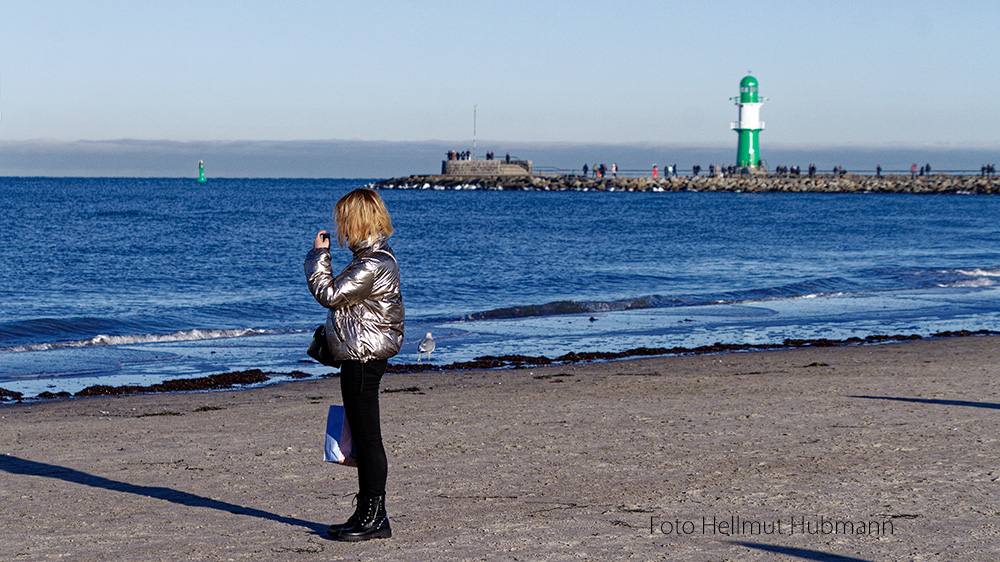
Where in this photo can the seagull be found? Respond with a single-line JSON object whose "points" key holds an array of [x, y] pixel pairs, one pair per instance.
{"points": [[426, 346]]}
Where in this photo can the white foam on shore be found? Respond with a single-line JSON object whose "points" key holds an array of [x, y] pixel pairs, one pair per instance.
{"points": [[102, 339]]}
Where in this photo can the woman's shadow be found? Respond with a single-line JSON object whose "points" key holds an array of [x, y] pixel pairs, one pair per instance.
{"points": [[15, 465]]}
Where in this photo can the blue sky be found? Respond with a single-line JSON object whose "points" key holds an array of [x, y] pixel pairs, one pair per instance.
{"points": [[842, 73]]}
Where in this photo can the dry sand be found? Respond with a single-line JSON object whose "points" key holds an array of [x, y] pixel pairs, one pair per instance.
{"points": [[629, 460]]}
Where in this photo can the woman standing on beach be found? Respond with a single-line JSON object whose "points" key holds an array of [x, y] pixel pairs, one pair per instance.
{"points": [[364, 328]]}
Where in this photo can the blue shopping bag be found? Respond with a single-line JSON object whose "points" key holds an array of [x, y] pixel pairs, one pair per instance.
{"points": [[339, 445]]}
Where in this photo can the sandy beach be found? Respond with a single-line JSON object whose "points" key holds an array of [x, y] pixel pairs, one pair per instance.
{"points": [[885, 452]]}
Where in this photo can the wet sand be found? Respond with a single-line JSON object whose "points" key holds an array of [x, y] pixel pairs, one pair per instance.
{"points": [[682, 458]]}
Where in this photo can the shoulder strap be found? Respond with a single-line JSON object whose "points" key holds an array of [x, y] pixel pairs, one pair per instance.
{"points": [[388, 254]]}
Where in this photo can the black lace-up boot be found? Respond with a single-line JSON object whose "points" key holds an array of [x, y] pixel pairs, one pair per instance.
{"points": [[372, 523], [333, 531]]}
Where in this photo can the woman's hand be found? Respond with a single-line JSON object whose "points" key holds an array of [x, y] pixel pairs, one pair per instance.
{"points": [[322, 240]]}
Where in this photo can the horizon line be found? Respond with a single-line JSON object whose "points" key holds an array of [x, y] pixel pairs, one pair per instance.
{"points": [[982, 145]]}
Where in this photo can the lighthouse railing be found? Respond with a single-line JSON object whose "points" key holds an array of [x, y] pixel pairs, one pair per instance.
{"points": [[739, 125]]}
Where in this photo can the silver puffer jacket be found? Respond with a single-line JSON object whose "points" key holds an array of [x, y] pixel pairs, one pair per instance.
{"points": [[366, 308]]}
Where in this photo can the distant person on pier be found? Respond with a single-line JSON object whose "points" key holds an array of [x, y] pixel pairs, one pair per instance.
{"points": [[655, 172], [878, 171], [913, 171], [585, 170], [614, 170]]}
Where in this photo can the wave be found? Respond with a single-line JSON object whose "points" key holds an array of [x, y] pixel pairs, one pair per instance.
{"points": [[973, 282], [978, 277], [869, 281], [980, 272], [184, 335]]}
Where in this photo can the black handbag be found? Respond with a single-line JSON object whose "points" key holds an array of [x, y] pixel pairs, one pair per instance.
{"points": [[319, 348]]}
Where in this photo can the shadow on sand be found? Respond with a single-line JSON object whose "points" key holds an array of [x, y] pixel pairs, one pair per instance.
{"points": [[15, 465], [987, 405], [805, 553]]}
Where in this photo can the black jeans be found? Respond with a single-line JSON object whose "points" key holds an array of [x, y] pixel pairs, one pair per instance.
{"points": [[359, 384]]}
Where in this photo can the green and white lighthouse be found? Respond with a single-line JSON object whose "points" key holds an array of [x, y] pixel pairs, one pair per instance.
{"points": [[749, 125]]}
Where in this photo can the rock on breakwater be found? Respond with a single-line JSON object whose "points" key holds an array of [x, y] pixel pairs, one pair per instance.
{"points": [[972, 184]]}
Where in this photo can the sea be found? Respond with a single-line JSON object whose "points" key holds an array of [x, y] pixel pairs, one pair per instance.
{"points": [[133, 281]]}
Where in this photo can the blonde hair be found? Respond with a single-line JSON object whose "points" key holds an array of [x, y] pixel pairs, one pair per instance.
{"points": [[360, 217]]}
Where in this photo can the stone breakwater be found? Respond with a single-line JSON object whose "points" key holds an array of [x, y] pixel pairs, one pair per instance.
{"points": [[740, 184]]}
